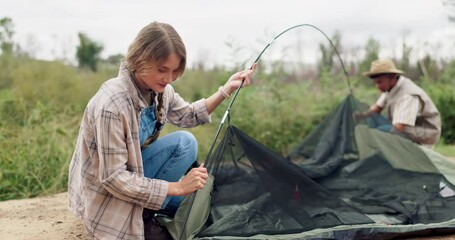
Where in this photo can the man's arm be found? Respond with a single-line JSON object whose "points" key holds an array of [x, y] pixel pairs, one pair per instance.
{"points": [[405, 115], [373, 110], [399, 127]]}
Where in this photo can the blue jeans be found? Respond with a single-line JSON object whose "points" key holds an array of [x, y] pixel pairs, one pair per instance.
{"points": [[380, 122], [383, 124], [168, 158]]}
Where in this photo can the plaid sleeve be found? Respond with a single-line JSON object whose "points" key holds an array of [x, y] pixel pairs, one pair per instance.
{"points": [[184, 114], [114, 172], [406, 110]]}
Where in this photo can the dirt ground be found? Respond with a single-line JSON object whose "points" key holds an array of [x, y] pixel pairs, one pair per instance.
{"points": [[47, 218], [41, 218]]}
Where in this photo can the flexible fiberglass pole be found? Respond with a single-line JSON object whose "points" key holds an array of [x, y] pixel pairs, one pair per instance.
{"points": [[206, 163], [226, 113]]}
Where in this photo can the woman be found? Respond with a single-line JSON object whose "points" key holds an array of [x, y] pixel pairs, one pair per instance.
{"points": [[120, 166]]}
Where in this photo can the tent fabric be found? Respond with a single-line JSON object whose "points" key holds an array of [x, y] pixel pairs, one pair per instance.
{"points": [[358, 232], [401, 153], [343, 181], [330, 142], [445, 166], [258, 191], [192, 213]]}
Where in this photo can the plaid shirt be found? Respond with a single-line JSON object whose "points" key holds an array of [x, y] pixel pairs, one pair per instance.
{"points": [[107, 188]]}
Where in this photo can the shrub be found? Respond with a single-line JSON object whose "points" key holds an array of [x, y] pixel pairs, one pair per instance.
{"points": [[443, 97]]}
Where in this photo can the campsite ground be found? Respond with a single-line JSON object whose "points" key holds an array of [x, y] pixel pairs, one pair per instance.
{"points": [[40, 218], [46, 218]]}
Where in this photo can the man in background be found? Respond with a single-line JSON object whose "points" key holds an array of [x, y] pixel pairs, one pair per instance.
{"points": [[411, 112]]}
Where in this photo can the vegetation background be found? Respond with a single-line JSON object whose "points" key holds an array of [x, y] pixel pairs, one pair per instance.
{"points": [[42, 102]]}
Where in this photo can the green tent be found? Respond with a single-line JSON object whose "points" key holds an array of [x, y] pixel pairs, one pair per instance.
{"points": [[343, 181]]}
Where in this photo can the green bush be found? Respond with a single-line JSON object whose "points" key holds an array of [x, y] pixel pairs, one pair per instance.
{"points": [[37, 142], [443, 97], [40, 113], [42, 104]]}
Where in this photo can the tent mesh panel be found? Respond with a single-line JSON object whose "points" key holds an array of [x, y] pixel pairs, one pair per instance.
{"points": [[320, 184]]}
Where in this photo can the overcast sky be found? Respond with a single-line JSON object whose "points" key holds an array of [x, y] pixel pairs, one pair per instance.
{"points": [[48, 28]]}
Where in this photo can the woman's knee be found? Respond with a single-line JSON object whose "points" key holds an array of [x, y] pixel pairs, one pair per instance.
{"points": [[187, 143], [187, 139]]}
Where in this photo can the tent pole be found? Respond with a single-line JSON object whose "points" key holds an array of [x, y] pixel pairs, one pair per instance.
{"points": [[206, 163], [227, 112]]}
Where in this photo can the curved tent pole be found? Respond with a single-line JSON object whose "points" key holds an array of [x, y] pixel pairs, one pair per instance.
{"points": [[227, 112]]}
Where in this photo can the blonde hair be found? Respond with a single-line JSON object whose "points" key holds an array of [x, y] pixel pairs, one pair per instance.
{"points": [[153, 44]]}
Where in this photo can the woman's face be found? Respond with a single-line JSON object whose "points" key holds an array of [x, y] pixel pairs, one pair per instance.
{"points": [[158, 76]]}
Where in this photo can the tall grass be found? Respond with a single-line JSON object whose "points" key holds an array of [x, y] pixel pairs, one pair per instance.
{"points": [[40, 114], [41, 105]]}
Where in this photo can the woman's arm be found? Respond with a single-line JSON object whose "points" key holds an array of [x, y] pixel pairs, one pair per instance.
{"points": [[231, 85]]}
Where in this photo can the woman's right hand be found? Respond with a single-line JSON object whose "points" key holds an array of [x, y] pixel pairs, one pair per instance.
{"points": [[237, 78], [192, 181]]}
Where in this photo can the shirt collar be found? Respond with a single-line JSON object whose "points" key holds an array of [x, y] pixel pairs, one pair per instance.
{"points": [[124, 74], [397, 85]]}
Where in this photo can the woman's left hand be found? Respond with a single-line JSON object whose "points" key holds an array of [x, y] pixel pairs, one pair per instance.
{"points": [[236, 79]]}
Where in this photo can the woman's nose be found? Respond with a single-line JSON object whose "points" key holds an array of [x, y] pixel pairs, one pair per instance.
{"points": [[168, 78]]}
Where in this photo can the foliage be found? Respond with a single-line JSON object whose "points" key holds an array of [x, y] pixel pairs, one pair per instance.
{"points": [[35, 148], [6, 35], [444, 99], [198, 83], [328, 53], [371, 53], [429, 69], [39, 120], [443, 96], [446, 150], [88, 52], [114, 60], [405, 64], [7, 64], [41, 104], [448, 75]]}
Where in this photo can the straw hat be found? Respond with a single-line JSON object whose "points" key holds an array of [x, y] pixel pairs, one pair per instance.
{"points": [[382, 66]]}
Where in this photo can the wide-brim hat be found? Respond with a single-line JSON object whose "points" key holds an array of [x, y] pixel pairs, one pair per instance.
{"points": [[382, 66]]}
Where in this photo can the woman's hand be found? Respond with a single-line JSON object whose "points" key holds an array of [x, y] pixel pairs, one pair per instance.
{"points": [[192, 181], [236, 79], [228, 88]]}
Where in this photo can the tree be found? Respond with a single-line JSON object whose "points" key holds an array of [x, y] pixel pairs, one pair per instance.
{"points": [[115, 59], [328, 53], [406, 57], [371, 53], [6, 35], [88, 52]]}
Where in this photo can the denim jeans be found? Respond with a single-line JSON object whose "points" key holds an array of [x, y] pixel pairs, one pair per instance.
{"points": [[380, 122], [168, 158]]}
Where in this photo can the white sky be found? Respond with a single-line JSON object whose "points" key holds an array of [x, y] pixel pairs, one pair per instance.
{"points": [[48, 28]]}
